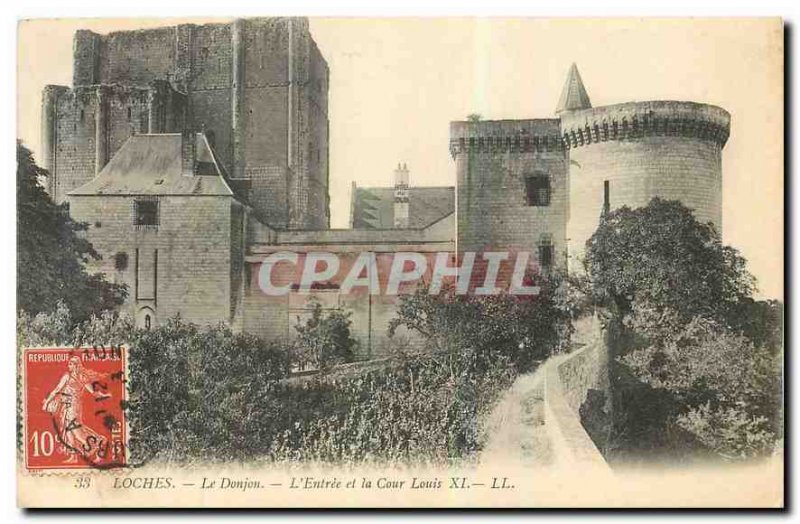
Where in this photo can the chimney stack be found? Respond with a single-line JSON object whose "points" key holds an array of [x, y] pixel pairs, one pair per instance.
{"points": [[188, 153], [188, 143], [401, 196]]}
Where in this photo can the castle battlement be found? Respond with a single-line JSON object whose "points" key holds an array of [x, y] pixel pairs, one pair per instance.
{"points": [[493, 136], [536, 185], [639, 119]]}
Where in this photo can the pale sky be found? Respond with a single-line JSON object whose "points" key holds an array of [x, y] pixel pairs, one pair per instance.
{"points": [[395, 84]]}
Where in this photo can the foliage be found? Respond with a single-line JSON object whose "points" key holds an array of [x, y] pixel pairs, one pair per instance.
{"points": [[410, 411], [707, 363], [205, 394], [762, 322], [731, 432], [52, 253], [471, 332], [324, 339], [106, 329], [193, 388], [687, 328], [45, 329], [657, 266]]}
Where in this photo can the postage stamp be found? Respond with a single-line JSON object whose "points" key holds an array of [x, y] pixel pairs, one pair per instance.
{"points": [[74, 416]]}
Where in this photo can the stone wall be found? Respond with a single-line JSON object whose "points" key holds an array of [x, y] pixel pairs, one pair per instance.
{"points": [[493, 160], [573, 383], [671, 150], [257, 87], [274, 317], [83, 127], [182, 266]]}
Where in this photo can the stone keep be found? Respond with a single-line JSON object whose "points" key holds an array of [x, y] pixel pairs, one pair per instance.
{"points": [[257, 88], [541, 185]]}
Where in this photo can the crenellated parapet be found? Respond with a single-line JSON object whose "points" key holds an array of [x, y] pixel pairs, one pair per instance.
{"points": [[505, 136], [634, 120]]}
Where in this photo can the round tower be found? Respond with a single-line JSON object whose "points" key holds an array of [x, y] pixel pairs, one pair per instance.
{"points": [[627, 154]]}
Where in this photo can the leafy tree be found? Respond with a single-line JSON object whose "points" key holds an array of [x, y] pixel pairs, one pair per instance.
{"points": [[472, 332], [658, 266], [687, 328], [51, 252], [762, 322], [324, 339]]}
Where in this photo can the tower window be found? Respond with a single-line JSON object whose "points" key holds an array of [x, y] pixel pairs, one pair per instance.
{"points": [[546, 251], [121, 261], [145, 213], [537, 190]]}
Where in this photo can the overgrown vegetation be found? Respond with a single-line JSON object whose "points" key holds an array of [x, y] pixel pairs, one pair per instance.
{"points": [[210, 394], [52, 254], [324, 340], [700, 358]]}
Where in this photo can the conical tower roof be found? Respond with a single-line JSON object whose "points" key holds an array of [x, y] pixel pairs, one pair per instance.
{"points": [[574, 95]]}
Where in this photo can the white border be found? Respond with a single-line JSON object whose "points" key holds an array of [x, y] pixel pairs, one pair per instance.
{"points": [[12, 11]]}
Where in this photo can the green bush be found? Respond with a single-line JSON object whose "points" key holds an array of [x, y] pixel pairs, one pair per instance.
{"points": [[411, 411], [194, 391], [470, 333], [205, 394], [53, 328], [686, 328], [733, 433], [324, 339], [727, 391]]}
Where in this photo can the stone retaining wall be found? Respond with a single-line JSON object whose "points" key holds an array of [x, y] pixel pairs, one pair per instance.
{"points": [[569, 380]]}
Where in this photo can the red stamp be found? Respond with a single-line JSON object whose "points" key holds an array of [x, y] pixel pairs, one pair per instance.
{"points": [[74, 408]]}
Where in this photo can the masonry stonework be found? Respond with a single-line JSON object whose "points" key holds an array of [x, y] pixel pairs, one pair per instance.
{"points": [[495, 160], [641, 150], [619, 155], [257, 88], [222, 129], [186, 260]]}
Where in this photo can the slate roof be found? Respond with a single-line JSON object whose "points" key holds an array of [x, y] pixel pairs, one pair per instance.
{"points": [[373, 207], [151, 165], [574, 95]]}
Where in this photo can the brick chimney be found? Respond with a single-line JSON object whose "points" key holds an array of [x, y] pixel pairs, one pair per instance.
{"points": [[188, 152], [401, 196]]}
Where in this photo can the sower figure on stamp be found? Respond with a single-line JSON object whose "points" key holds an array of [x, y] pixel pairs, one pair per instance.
{"points": [[64, 404]]}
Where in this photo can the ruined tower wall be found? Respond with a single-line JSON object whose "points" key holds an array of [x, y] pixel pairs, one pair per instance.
{"points": [[493, 160], [211, 55], [643, 150], [258, 88], [83, 127]]}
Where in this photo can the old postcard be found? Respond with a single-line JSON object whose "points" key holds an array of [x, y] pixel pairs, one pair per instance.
{"points": [[419, 262]]}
